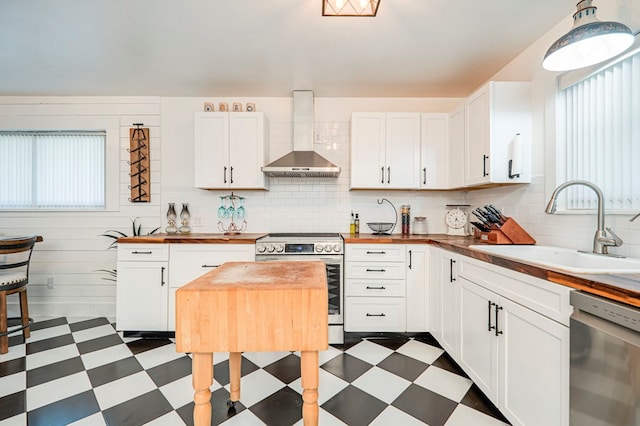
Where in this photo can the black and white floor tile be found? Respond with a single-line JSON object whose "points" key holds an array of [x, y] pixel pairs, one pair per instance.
{"points": [[82, 372]]}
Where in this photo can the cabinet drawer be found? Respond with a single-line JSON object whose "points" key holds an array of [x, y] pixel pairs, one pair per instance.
{"points": [[377, 270], [367, 288], [189, 261], [363, 314], [143, 252], [375, 252]]}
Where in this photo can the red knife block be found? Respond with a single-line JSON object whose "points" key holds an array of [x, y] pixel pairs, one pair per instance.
{"points": [[509, 233]]}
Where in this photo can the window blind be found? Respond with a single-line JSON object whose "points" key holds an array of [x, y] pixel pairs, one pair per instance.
{"points": [[52, 170], [600, 139]]}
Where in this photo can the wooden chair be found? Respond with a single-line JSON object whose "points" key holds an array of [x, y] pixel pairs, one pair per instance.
{"points": [[15, 255]]}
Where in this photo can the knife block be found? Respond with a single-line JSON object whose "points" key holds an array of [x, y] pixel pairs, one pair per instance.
{"points": [[509, 233]]}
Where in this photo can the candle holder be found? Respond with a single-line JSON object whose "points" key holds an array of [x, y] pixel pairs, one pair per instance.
{"points": [[231, 213], [184, 219], [171, 220]]}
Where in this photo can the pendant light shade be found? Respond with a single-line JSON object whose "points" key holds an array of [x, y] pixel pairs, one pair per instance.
{"points": [[589, 42], [350, 7]]}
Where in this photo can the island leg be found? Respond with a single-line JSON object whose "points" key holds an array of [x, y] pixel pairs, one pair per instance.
{"points": [[202, 373], [310, 379], [235, 364]]}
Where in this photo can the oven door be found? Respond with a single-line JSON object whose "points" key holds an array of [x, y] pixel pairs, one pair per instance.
{"points": [[334, 267]]}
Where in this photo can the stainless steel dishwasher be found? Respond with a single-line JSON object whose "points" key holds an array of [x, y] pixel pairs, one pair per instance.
{"points": [[605, 362]]}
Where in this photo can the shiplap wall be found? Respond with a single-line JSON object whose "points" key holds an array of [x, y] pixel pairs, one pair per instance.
{"points": [[73, 248]]}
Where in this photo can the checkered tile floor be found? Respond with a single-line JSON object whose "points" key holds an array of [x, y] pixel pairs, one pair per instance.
{"points": [[82, 372]]}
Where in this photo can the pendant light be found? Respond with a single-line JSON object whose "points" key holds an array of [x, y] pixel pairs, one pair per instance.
{"points": [[350, 7], [590, 41]]}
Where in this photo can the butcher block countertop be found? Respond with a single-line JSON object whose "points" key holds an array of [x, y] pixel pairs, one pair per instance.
{"points": [[194, 238], [621, 287]]}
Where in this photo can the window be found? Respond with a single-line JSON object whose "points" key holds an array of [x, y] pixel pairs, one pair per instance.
{"points": [[600, 136], [52, 170]]}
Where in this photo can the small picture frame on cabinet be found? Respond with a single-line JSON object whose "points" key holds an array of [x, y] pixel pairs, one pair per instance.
{"points": [[223, 107], [237, 107], [208, 107], [251, 107]]}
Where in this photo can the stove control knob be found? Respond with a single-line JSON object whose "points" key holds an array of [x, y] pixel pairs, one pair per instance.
{"points": [[279, 248], [337, 248], [319, 248], [270, 248], [327, 248], [260, 248]]}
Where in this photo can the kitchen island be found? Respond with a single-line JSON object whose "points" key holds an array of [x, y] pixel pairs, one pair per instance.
{"points": [[253, 306]]}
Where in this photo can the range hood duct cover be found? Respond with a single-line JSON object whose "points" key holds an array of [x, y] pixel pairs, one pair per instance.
{"points": [[302, 161]]}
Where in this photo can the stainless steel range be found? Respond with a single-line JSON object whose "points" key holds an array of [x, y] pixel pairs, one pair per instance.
{"points": [[326, 247]]}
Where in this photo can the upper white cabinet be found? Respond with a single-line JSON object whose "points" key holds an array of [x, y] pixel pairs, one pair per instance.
{"points": [[494, 115], [230, 149], [385, 150], [434, 151], [456, 147]]}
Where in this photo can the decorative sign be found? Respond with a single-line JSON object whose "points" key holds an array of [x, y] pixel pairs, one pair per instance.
{"points": [[139, 164]]}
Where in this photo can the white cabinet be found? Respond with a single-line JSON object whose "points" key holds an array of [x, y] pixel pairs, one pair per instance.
{"points": [[417, 295], [150, 274], [494, 115], [515, 356], [450, 302], [230, 149], [385, 150], [142, 287], [386, 288], [434, 151], [189, 261], [456, 147]]}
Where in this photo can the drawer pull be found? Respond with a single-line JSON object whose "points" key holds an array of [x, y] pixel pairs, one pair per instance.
{"points": [[209, 266], [376, 270], [376, 252], [141, 252], [375, 315], [376, 288], [162, 276]]}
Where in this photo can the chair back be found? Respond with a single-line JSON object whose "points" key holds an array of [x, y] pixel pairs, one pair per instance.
{"points": [[15, 255]]}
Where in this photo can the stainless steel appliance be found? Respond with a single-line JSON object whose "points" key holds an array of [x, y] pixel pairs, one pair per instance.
{"points": [[326, 247], [605, 362]]}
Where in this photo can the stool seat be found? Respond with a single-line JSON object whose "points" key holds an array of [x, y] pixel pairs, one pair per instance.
{"points": [[15, 257]]}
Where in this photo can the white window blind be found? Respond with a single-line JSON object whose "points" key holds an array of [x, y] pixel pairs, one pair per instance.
{"points": [[600, 138], [52, 170]]}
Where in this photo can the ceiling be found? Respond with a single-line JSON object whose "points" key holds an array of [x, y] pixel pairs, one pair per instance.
{"points": [[413, 48]]}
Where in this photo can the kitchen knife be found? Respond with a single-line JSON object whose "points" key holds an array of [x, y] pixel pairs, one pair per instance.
{"points": [[481, 226], [496, 211], [480, 217]]}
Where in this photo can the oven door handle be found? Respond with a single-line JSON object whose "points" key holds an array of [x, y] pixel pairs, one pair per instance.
{"points": [[312, 258]]}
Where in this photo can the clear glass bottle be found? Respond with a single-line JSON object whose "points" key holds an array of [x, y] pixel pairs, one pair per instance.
{"points": [[356, 224], [171, 219], [352, 224], [185, 216]]}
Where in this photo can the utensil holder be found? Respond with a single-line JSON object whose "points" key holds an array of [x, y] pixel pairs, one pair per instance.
{"points": [[509, 233]]}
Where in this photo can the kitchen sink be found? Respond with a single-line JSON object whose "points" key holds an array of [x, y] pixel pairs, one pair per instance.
{"points": [[564, 259]]}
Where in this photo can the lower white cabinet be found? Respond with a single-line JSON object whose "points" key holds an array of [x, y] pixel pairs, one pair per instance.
{"points": [[386, 288], [509, 332], [150, 274], [142, 287]]}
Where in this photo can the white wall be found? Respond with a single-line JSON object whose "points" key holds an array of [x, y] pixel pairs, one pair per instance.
{"points": [[527, 203]]}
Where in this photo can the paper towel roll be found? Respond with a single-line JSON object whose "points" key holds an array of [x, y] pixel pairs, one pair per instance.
{"points": [[515, 154]]}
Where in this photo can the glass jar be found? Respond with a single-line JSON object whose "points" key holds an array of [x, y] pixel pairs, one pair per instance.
{"points": [[420, 225], [406, 218]]}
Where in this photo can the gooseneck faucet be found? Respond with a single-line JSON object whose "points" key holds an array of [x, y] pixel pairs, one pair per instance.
{"points": [[601, 242]]}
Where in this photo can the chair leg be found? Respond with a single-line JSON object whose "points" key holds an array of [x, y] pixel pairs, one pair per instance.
{"points": [[24, 313], [4, 340]]}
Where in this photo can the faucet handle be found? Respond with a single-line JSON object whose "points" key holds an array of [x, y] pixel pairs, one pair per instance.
{"points": [[617, 241]]}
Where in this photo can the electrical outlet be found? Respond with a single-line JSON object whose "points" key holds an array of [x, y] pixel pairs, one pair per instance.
{"points": [[50, 282], [197, 221]]}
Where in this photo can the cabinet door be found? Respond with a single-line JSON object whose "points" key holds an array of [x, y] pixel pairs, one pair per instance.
{"points": [[434, 151], [368, 133], [534, 366], [435, 293], [456, 148], [246, 150], [402, 151], [450, 304], [211, 161], [477, 142], [141, 296], [417, 288], [478, 343]]}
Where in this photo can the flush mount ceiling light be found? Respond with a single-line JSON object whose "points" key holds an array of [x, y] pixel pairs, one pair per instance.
{"points": [[590, 41], [350, 7]]}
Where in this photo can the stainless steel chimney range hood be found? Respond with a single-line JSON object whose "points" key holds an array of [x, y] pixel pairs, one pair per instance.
{"points": [[303, 161]]}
